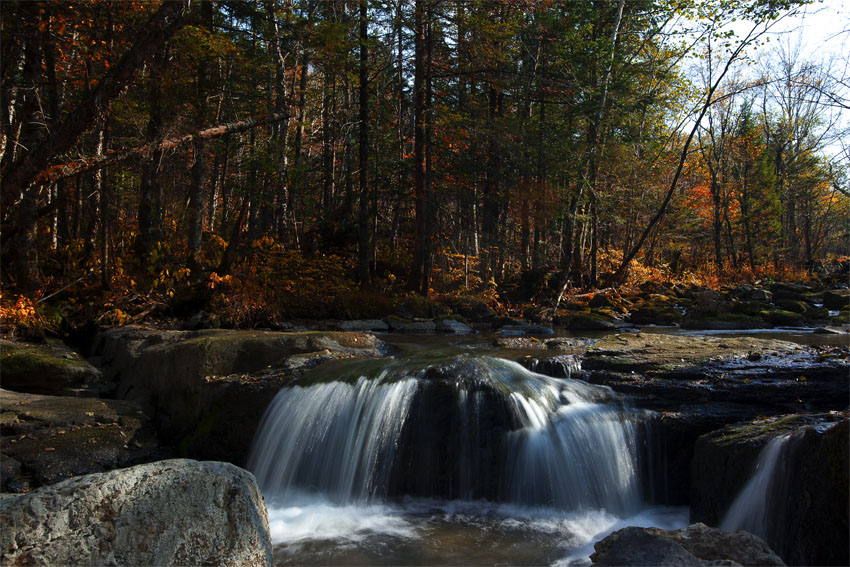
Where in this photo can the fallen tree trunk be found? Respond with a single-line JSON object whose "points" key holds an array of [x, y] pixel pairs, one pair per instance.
{"points": [[62, 171]]}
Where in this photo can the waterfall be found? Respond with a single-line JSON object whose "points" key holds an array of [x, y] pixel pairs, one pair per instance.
{"points": [[468, 427], [759, 507]]}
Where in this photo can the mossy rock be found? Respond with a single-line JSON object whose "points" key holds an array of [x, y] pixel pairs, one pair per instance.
{"points": [[655, 314], [780, 318], [723, 321], [792, 306], [47, 369], [589, 321], [753, 308], [452, 317]]}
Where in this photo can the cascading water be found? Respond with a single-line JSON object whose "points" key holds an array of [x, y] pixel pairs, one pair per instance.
{"points": [[361, 438], [752, 508]]}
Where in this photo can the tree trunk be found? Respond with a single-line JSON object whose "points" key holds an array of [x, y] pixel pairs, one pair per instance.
{"points": [[419, 161], [363, 212]]}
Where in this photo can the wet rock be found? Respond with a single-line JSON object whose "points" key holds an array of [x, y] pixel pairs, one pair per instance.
{"points": [[452, 326], [829, 330], [806, 508], [659, 352], [524, 330], [571, 345], [836, 299], [53, 438], [561, 366], [176, 512], [50, 368], [699, 384], [697, 544], [364, 325], [402, 325], [792, 306]]}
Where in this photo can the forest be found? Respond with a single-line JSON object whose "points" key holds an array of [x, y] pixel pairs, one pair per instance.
{"points": [[274, 159]]}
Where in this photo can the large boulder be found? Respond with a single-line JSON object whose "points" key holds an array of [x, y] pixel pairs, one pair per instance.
{"points": [[50, 368], [47, 439], [804, 466], [207, 390], [696, 545], [176, 512]]}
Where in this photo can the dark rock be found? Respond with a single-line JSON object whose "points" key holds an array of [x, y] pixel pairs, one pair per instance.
{"points": [[402, 325], [700, 384], [721, 321], [524, 330], [201, 320], [471, 308], [782, 318], [816, 314], [165, 513], [52, 369], [54, 438], [452, 326], [589, 321], [806, 512], [836, 299], [760, 295], [207, 390], [792, 306], [364, 325], [697, 544]]}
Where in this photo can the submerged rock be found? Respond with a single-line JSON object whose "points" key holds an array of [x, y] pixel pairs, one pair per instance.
{"points": [[52, 369], [176, 512], [697, 545], [53, 438], [803, 510]]}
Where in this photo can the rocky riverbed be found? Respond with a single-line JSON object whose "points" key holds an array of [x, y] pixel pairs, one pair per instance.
{"points": [[146, 394]]}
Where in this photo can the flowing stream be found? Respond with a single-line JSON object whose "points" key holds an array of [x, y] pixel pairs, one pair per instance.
{"points": [[465, 458]]}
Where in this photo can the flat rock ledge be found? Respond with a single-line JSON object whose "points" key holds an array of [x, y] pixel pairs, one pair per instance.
{"points": [[177, 512], [696, 545]]}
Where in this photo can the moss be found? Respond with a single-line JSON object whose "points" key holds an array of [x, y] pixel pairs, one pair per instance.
{"points": [[758, 430], [793, 306], [782, 318]]}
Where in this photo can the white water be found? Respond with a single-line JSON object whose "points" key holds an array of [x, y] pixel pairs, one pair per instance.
{"points": [[556, 460], [750, 510]]}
